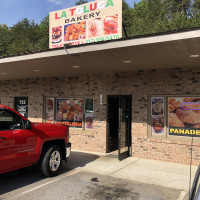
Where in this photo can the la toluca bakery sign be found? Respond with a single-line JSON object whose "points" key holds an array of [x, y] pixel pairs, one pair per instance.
{"points": [[96, 21]]}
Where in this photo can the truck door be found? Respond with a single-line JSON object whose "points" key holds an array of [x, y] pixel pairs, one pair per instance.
{"points": [[17, 145]]}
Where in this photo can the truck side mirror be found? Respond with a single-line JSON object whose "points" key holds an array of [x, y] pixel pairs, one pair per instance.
{"points": [[27, 124]]}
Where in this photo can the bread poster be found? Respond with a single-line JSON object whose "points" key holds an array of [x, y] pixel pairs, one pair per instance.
{"points": [[184, 116]]}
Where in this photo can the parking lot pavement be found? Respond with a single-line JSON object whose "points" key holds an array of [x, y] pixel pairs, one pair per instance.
{"points": [[81, 185], [92, 176]]}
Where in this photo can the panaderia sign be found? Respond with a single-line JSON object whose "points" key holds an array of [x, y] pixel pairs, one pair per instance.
{"points": [[91, 22]]}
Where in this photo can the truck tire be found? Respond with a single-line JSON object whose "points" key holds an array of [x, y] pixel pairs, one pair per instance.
{"points": [[51, 161]]}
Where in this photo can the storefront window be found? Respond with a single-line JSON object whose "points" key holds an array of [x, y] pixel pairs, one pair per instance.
{"points": [[182, 116], [69, 111]]}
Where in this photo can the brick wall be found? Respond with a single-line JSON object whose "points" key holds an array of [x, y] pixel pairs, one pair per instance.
{"points": [[139, 84]]}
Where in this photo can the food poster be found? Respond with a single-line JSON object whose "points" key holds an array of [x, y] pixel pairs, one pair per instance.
{"points": [[89, 120], [49, 110], [158, 125], [70, 112], [184, 116], [157, 106], [157, 114], [96, 21]]}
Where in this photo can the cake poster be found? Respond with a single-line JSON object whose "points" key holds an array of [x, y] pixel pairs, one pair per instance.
{"points": [[96, 21]]}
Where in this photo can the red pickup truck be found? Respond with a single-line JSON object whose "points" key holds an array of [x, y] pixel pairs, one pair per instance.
{"points": [[23, 143]]}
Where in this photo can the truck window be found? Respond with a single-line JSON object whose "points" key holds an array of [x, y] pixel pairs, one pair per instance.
{"points": [[9, 120]]}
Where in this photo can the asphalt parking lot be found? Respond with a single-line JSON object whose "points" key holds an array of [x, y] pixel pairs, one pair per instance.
{"points": [[77, 182]]}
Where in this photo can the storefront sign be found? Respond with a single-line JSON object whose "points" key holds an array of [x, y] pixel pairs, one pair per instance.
{"points": [[70, 112], [21, 105], [87, 23], [184, 116], [184, 132]]}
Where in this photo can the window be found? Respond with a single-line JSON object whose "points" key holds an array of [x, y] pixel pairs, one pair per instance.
{"points": [[9, 120], [77, 112], [173, 115]]}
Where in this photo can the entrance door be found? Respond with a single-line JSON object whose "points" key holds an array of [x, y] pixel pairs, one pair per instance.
{"points": [[119, 125]]}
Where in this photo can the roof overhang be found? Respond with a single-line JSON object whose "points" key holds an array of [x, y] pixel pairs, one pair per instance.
{"points": [[153, 52]]}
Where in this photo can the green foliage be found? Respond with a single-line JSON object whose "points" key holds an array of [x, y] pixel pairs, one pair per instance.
{"points": [[43, 42], [4, 39], [23, 37], [156, 16], [127, 17], [80, 2]]}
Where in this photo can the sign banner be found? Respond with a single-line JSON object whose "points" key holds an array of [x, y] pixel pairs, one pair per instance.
{"points": [[184, 116], [96, 21], [21, 105], [70, 112], [184, 132]]}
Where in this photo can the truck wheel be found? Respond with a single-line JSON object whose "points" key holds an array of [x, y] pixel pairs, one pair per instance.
{"points": [[51, 161]]}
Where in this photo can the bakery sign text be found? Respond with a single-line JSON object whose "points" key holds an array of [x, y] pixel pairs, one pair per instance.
{"points": [[84, 9], [184, 132]]}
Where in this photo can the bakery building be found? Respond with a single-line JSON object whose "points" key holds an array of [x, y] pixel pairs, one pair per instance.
{"points": [[138, 96]]}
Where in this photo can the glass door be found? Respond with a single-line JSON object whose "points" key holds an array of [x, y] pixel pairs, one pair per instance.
{"points": [[124, 133]]}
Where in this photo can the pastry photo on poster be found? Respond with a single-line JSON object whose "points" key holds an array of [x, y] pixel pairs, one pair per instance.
{"points": [[89, 120], [70, 112], [158, 124], [157, 106], [184, 116]]}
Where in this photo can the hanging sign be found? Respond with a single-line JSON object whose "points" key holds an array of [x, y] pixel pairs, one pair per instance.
{"points": [[21, 105], [96, 21]]}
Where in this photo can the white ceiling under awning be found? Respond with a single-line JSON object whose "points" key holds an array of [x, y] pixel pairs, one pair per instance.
{"points": [[153, 52]]}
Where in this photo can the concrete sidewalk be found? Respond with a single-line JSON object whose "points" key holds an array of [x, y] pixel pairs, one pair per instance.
{"points": [[159, 173]]}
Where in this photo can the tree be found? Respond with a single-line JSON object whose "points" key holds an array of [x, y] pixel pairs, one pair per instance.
{"points": [[43, 42], [80, 2], [127, 17], [24, 37], [149, 17], [4, 39]]}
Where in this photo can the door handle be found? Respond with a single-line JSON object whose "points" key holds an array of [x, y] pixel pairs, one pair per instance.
{"points": [[2, 139]]}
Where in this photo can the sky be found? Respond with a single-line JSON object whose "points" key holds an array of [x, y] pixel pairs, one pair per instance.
{"points": [[12, 11]]}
